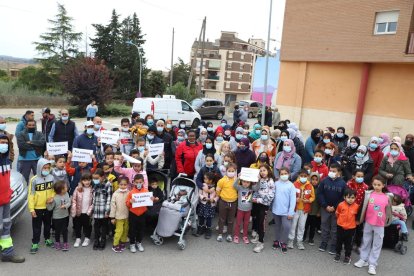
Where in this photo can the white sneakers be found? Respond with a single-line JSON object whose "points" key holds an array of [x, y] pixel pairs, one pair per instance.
{"points": [[77, 243], [361, 263], [254, 234], [371, 270], [86, 242], [258, 248], [140, 247], [300, 245], [133, 248], [290, 244]]}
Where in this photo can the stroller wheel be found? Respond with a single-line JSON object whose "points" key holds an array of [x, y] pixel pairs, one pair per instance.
{"points": [[157, 240], [403, 250], [409, 210], [181, 244], [397, 247]]}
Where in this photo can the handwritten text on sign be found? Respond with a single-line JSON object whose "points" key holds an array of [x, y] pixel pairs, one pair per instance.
{"points": [[142, 199], [109, 137], [82, 155], [249, 174], [155, 149], [57, 148]]}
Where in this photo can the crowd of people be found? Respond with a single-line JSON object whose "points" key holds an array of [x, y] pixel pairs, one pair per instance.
{"points": [[329, 182]]}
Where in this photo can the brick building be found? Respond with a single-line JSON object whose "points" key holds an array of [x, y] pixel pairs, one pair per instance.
{"points": [[348, 63]]}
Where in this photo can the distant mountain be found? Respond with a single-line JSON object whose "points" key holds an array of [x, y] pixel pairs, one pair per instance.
{"points": [[270, 88], [17, 60]]}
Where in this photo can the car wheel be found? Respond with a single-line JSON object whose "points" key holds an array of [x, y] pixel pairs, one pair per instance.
{"points": [[219, 115], [250, 115], [196, 123]]}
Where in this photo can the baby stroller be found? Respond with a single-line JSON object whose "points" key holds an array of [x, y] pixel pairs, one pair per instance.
{"points": [[405, 196], [393, 239], [175, 213], [163, 183]]}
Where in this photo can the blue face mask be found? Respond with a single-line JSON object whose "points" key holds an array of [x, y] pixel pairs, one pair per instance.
{"points": [[317, 159], [210, 129], [4, 148], [257, 131], [65, 118], [339, 135], [219, 139], [283, 138], [287, 148], [264, 137], [373, 146], [326, 141], [141, 149], [150, 122], [359, 155], [160, 129], [209, 145], [2, 126], [90, 131], [150, 136], [223, 124], [45, 173], [96, 181], [97, 126], [359, 180], [239, 136], [180, 138], [394, 153]]}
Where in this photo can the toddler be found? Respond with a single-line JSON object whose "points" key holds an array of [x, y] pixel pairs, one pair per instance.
{"points": [[207, 207], [399, 215]]}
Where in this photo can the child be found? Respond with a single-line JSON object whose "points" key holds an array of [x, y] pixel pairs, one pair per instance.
{"points": [[109, 160], [59, 170], [158, 195], [305, 195], [209, 166], [244, 207], [228, 158], [262, 199], [399, 216], [102, 192], [111, 176], [81, 210], [283, 209], [313, 221], [358, 185], [131, 172], [41, 190], [207, 207], [318, 164], [227, 203], [308, 168], [77, 171], [60, 204], [346, 220], [136, 217], [119, 216], [139, 130], [377, 214], [330, 192]]}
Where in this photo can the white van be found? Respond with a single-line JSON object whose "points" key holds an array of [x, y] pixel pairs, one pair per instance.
{"points": [[167, 109]]}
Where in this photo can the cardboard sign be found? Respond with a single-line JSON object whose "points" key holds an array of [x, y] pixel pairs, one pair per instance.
{"points": [[57, 148], [142, 199], [249, 174], [109, 137], [82, 155], [130, 159], [155, 149]]}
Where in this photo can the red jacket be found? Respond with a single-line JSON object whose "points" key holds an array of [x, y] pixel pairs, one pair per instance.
{"points": [[5, 173], [304, 191], [359, 189], [322, 169], [185, 157], [377, 156]]}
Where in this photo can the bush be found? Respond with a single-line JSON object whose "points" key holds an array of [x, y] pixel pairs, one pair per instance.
{"points": [[111, 110]]}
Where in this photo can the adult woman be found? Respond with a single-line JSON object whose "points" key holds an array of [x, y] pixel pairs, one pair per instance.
{"points": [[255, 133], [409, 149], [350, 150], [149, 120], [395, 139], [169, 129], [181, 125], [282, 125], [310, 144], [210, 129], [384, 140], [227, 137], [203, 136], [300, 148], [331, 154], [265, 144], [244, 156], [218, 141], [237, 137], [289, 159], [395, 166], [360, 160], [168, 143], [340, 139], [201, 156], [262, 159], [375, 153], [186, 154]]}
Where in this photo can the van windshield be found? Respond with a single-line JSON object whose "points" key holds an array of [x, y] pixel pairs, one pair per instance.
{"points": [[197, 102]]}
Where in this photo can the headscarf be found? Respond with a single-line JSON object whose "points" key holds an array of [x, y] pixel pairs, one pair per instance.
{"points": [[292, 133], [245, 142], [213, 148], [365, 158], [282, 125], [298, 133], [396, 139], [253, 134], [401, 156], [408, 137], [239, 130], [315, 132], [386, 140], [226, 137], [285, 158]]}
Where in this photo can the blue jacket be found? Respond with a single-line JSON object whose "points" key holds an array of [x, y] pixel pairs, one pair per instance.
{"points": [[20, 126], [284, 202], [330, 191], [204, 170], [84, 142], [310, 146], [295, 166]]}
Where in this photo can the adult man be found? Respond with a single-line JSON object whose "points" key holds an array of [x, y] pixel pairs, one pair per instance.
{"points": [[29, 115], [6, 242], [168, 143], [244, 113], [87, 140], [91, 110], [47, 122], [126, 142], [97, 125], [236, 113], [63, 130], [31, 144], [275, 117], [3, 126]]}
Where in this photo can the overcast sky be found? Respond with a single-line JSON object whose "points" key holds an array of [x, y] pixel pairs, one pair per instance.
{"points": [[23, 21]]}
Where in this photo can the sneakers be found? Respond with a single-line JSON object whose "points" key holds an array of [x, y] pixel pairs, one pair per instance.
{"points": [[319, 231], [347, 260], [220, 238], [311, 242], [337, 258], [65, 247], [122, 246], [283, 248], [255, 239], [34, 249], [49, 243], [259, 247], [276, 245], [77, 243], [12, 259], [117, 249], [371, 270], [361, 263], [290, 244], [323, 247], [229, 238], [57, 246], [246, 240], [207, 233], [300, 245], [254, 234], [85, 242], [133, 248], [404, 236], [332, 250], [140, 247], [236, 239]]}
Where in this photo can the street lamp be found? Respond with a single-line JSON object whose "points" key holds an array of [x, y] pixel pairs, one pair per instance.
{"points": [[140, 62], [267, 64]]}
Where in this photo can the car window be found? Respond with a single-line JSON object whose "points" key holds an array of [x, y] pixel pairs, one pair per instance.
{"points": [[253, 105], [197, 102], [207, 104], [185, 107]]}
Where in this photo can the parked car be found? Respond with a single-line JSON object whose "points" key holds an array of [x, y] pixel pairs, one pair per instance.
{"points": [[167, 108], [254, 107], [18, 201], [209, 108]]}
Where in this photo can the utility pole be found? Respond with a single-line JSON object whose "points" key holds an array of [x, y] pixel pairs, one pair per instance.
{"points": [[86, 41], [193, 63], [202, 57], [172, 61], [267, 65]]}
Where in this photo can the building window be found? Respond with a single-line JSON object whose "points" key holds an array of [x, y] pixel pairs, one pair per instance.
{"points": [[241, 66], [230, 54], [228, 75], [240, 76], [239, 86], [229, 65], [386, 22], [227, 85], [241, 56]]}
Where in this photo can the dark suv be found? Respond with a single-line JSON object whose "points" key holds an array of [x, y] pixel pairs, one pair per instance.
{"points": [[209, 108]]}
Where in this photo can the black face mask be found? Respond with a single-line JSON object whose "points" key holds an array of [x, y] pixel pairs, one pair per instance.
{"points": [[31, 130], [409, 142]]}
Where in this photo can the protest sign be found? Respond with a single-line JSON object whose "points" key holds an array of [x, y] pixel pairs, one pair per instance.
{"points": [[142, 199], [130, 159], [155, 149], [249, 174], [109, 137], [57, 148], [82, 155]]}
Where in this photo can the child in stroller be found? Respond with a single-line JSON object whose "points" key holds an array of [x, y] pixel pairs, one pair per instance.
{"points": [[399, 216]]}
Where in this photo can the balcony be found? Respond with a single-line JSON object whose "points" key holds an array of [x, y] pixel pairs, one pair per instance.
{"points": [[410, 49], [209, 85], [213, 76]]}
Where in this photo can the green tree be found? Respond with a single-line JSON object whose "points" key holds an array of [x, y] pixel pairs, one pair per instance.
{"points": [[181, 73], [35, 78], [3, 75], [156, 84], [180, 92]]}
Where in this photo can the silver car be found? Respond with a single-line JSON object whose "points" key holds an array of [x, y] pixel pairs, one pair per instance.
{"points": [[18, 201], [254, 107]]}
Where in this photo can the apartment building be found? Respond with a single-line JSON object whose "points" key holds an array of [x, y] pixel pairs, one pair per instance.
{"points": [[348, 63], [228, 66]]}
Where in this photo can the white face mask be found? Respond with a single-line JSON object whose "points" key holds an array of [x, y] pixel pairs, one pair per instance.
{"points": [[332, 175], [231, 174], [284, 177]]}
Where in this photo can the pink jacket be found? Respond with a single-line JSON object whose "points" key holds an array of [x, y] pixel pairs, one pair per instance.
{"points": [[130, 173], [76, 208], [202, 195]]}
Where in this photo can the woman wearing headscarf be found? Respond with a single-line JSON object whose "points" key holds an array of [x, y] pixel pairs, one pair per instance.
{"points": [[169, 129], [311, 143], [350, 150], [395, 139], [218, 141], [289, 159], [300, 148], [284, 135], [202, 136], [201, 157], [265, 144], [255, 133], [210, 129], [245, 157], [237, 137], [375, 153], [181, 125], [282, 125], [298, 133], [340, 139], [395, 166], [409, 149], [360, 160], [384, 140], [262, 159]]}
